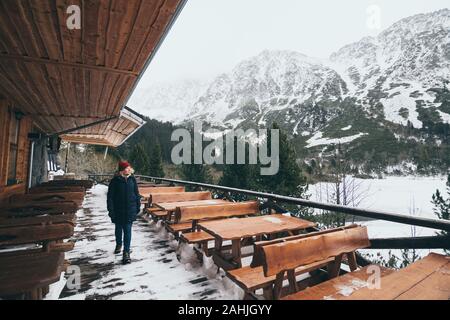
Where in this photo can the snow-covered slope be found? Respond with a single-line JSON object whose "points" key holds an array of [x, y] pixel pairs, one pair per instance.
{"points": [[398, 66], [270, 82], [169, 101], [399, 76]]}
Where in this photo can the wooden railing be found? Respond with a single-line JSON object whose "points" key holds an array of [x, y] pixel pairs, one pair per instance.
{"points": [[274, 201]]}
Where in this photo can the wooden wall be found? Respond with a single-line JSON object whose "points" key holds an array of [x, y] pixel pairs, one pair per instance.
{"points": [[23, 152]]}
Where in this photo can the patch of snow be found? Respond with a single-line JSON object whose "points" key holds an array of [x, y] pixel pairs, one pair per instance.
{"points": [[317, 139], [56, 288], [155, 271], [444, 116], [347, 290], [273, 220], [346, 128]]}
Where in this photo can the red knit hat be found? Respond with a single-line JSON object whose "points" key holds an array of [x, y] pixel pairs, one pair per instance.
{"points": [[123, 165]]}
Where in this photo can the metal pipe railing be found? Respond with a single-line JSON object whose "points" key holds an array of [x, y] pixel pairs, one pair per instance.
{"points": [[379, 215]]}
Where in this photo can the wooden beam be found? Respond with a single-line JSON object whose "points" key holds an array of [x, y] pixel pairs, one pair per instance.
{"points": [[68, 64]]}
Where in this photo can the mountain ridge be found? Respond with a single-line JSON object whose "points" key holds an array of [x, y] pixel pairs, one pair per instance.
{"points": [[393, 87]]}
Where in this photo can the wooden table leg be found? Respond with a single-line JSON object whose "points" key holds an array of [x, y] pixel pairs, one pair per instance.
{"points": [[334, 267], [268, 293], [236, 251], [351, 259], [218, 245]]}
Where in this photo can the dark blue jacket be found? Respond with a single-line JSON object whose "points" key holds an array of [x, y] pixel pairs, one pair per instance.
{"points": [[124, 201]]}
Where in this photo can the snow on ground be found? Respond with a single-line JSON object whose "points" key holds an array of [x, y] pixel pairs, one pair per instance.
{"points": [[407, 195], [162, 270], [155, 271]]}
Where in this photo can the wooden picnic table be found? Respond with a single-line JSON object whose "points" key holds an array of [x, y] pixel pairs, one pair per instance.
{"points": [[239, 229], [426, 279], [170, 207]]}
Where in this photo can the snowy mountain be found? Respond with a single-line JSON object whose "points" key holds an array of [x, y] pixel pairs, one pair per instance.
{"points": [[395, 75], [399, 66], [374, 91], [271, 83], [170, 101]]}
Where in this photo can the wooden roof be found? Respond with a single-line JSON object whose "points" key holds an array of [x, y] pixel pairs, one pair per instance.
{"points": [[111, 133], [69, 78]]}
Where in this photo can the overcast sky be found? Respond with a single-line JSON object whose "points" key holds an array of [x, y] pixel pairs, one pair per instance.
{"points": [[212, 36]]}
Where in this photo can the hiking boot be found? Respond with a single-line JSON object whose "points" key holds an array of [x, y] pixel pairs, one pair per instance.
{"points": [[118, 249], [126, 257]]}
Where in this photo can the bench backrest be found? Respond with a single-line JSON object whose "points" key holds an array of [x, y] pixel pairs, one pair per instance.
{"points": [[84, 183], [232, 209], [42, 208], [152, 183], [146, 191], [47, 197], [53, 189], [288, 255], [14, 235], [258, 259], [179, 196]]}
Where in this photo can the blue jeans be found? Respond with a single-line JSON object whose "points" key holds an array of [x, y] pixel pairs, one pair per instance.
{"points": [[124, 229]]}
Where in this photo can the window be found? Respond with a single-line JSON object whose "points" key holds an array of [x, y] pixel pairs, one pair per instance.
{"points": [[13, 148]]}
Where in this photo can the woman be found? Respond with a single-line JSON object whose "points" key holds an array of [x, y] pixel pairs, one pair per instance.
{"points": [[124, 203]]}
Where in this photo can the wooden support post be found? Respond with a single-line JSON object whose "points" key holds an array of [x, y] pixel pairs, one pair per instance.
{"points": [[205, 249], [236, 251], [334, 267], [268, 293], [293, 287], [351, 258], [218, 245], [278, 285]]}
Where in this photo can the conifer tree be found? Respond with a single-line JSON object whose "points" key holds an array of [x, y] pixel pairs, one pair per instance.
{"points": [[195, 172], [241, 176], [155, 164], [289, 180], [442, 207], [139, 159]]}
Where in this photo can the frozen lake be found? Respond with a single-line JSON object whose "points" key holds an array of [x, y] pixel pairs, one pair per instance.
{"points": [[402, 195]]}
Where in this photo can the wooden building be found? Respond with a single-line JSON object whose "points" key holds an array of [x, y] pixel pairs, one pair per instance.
{"points": [[63, 80]]}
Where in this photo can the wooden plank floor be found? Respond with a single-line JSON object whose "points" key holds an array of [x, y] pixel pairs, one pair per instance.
{"points": [[155, 271]]}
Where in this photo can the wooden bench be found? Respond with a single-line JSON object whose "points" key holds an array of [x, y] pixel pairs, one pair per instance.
{"points": [[150, 190], [425, 279], [187, 218], [145, 192], [27, 199], [170, 207], [243, 232], [151, 184], [179, 196], [43, 208], [36, 220], [29, 273], [285, 257], [329, 290], [158, 213], [251, 278], [34, 230], [87, 184], [56, 189]]}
